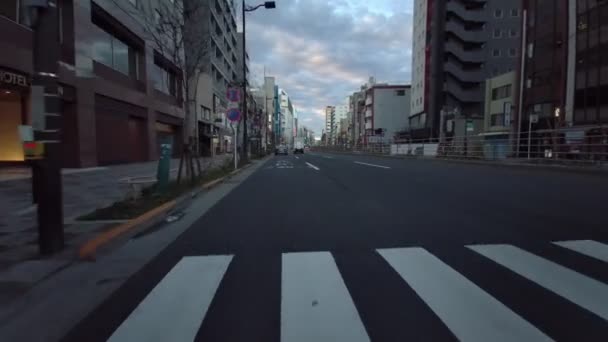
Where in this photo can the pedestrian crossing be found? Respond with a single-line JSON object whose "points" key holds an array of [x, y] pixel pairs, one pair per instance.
{"points": [[316, 304]]}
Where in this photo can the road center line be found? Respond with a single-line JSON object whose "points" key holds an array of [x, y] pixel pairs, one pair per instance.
{"points": [[312, 166], [372, 165]]}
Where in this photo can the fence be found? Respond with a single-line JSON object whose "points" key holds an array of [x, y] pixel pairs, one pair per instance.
{"points": [[572, 146]]}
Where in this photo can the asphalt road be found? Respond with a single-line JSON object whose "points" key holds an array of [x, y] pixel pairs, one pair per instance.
{"points": [[329, 247]]}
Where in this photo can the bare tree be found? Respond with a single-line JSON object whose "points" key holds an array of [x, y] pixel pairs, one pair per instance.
{"points": [[175, 30]]}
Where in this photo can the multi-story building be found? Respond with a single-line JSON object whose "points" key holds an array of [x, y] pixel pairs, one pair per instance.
{"points": [[273, 108], [387, 109], [565, 71], [287, 122], [330, 124], [120, 94], [216, 22], [456, 46], [341, 123], [497, 126]]}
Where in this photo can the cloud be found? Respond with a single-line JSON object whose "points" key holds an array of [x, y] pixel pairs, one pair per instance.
{"points": [[321, 51]]}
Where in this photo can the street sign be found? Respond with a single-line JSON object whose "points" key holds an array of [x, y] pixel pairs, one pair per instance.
{"points": [[233, 94], [233, 114], [507, 111], [33, 150], [534, 118], [470, 126]]}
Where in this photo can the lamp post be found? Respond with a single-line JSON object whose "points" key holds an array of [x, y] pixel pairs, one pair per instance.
{"points": [[245, 8]]}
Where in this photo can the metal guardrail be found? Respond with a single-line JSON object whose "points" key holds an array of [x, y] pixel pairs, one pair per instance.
{"points": [[547, 146]]}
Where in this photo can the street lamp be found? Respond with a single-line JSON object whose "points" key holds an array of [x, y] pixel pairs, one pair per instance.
{"points": [[245, 8]]}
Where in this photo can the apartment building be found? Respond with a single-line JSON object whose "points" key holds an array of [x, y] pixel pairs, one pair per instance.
{"points": [[120, 94], [456, 46]]}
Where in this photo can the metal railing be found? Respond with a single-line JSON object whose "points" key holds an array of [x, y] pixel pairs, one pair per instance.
{"points": [[569, 146]]}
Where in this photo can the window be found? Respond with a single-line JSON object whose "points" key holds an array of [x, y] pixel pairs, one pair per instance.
{"points": [[512, 52], [515, 12], [497, 119], [164, 80], [116, 54], [498, 13], [495, 53], [501, 92], [497, 33], [400, 92], [512, 33]]}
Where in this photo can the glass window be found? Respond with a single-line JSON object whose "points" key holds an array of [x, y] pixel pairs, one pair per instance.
{"points": [[102, 47], [497, 33], [512, 52], [515, 12], [498, 13], [495, 53], [512, 33], [120, 53]]}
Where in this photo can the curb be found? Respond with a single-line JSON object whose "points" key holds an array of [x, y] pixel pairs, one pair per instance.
{"points": [[88, 250]]}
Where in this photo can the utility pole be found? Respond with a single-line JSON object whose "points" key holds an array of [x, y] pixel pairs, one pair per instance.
{"points": [[46, 118], [245, 144]]}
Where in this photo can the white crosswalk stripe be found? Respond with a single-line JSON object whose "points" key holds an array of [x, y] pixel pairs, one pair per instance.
{"points": [[590, 248], [577, 288], [467, 310], [315, 303], [175, 308]]}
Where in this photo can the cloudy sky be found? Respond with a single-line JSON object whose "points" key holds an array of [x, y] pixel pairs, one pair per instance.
{"points": [[321, 51]]}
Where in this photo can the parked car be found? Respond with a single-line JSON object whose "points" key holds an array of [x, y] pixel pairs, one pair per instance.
{"points": [[281, 149]]}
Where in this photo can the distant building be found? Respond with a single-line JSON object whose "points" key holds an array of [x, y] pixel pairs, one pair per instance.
{"points": [[498, 115], [330, 125], [387, 109]]}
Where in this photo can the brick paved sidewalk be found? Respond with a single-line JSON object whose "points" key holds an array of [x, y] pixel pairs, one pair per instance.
{"points": [[84, 191]]}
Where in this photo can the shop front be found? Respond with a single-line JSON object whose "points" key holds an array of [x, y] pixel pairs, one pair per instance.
{"points": [[14, 97]]}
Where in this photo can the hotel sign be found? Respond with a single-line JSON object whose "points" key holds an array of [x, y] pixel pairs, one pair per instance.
{"points": [[13, 79]]}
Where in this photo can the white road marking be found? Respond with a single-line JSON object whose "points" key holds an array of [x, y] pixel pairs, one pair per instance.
{"points": [[373, 165], [328, 157], [297, 157], [175, 308], [315, 303], [590, 248], [575, 287], [312, 166], [467, 310]]}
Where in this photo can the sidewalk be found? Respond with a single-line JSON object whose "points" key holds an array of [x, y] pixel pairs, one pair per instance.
{"points": [[84, 191]]}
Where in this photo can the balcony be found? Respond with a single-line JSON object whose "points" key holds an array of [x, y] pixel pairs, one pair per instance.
{"points": [[463, 95], [368, 125], [368, 101], [470, 76], [368, 113], [475, 56], [458, 30], [471, 15]]}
